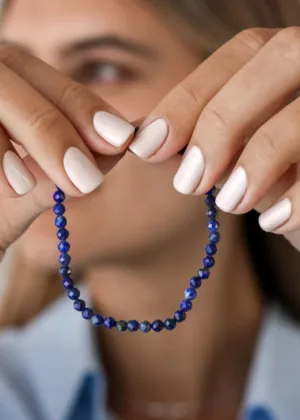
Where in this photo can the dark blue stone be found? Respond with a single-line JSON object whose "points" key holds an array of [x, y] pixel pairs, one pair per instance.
{"points": [[74, 294], [186, 305], [190, 293], [65, 271], [211, 191], [213, 225], [211, 249], [208, 262], [87, 313], [158, 325], [203, 273], [195, 282], [212, 213], [133, 325], [59, 209], [214, 237], [64, 259], [109, 322], [145, 326], [180, 316], [79, 305], [60, 221], [210, 201], [258, 413], [62, 234], [121, 326], [170, 324], [63, 247], [59, 196], [68, 283], [97, 320]]}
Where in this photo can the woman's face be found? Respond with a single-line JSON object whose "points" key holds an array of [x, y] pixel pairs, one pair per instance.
{"points": [[129, 55]]}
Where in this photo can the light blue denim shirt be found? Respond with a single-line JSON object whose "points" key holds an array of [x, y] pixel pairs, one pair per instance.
{"points": [[49, 370]]}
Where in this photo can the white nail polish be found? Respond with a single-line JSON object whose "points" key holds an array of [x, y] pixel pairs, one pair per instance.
{"points": [[18, 176], [150, 139], [112, 129], [276, 215], [82, 172], [233, 190], [190, 171]]}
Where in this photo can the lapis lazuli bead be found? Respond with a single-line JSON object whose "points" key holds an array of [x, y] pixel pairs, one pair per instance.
{"points": [[210, 200], [203, 273], [145, 326], [65, 271], [59, 196], [87, 313], [208, 262], [214, 237], [180, 316], [186, 305], [212, 213], [97, 320], [68, 283], [79, 305], [74, 293], [121, 326], [63, 246], [133, 325], [60, 221], [170, 324], [158, 325], [195, 282], [109, 322], [211, 249], [59, 209], [64, 259], [190, 293], [211, 191], [62, 234], [213, 225]]}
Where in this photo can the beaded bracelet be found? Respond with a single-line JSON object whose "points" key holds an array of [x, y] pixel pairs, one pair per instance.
{"points": [[133, 325]]}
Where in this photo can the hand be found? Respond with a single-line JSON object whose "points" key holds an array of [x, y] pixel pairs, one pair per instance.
{"points": [[58, 123], [237, 112]]}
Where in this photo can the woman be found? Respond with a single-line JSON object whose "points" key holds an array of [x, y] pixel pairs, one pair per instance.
{"points": [[135, 239]]}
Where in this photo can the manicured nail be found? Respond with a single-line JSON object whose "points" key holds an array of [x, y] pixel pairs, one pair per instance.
{"points": [[233, 190], [190, 171], [150, 139], [276, 215], [82, 172], [18, 176], [112, 129]]}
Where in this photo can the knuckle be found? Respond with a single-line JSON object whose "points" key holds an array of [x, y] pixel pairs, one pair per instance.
{"points": [[254, 38], [190, 94], [70, 93], [266, 143], [10, 53], [212, 115], [288, 44], [42, 119]]}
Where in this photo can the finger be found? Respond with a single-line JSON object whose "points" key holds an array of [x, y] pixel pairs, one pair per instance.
{"points": [[101, 127], [170, 126]]}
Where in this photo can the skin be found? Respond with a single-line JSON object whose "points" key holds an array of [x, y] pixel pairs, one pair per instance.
{"points": [[155, 233]]}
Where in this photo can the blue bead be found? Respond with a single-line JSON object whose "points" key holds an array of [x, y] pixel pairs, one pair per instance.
{"points": [[208, 262], [203, 273], [59, 209], [65, 271], [195, 282], [97, 320], [211, 191], [79, 305], [59, 196], [145, 326], [60, 221], [121, 326], [64, 259], [68, 283], [212, 213], [170, 324], [213, 225], [211, 249], [158, 325], [210, 201], [133, 325], [190, 293], [74, 294], [180, 316], [186, 305], [87, 313], [214, 237], [62, 234], [63, 246], [109, 322]]}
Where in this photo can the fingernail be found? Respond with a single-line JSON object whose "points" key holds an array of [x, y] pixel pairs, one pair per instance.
{"points": [[190, 171], [233, 190], [18, 176], [276, 215], [112, 129], [149, 140], [82, 172]]}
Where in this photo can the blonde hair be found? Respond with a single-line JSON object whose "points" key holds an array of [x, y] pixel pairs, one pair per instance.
{"points": [[206, 24]]}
